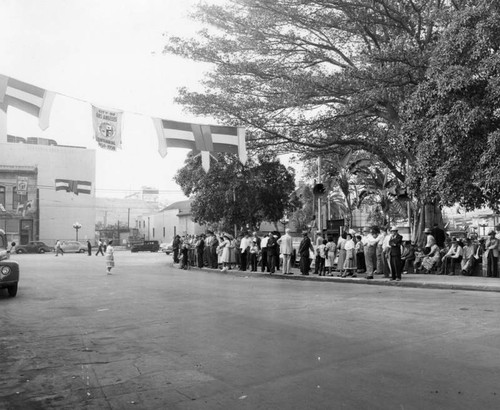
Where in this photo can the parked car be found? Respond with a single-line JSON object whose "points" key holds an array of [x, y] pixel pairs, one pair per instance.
{"points": [[73, 246], [34, 247], [9, 270], [167, 248], [146, 246]]}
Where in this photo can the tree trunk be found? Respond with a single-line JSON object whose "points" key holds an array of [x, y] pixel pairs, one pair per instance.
{"points": [[427, 215]]}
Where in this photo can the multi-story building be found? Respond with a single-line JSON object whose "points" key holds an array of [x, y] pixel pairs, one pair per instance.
{"points": [[60, 190]]}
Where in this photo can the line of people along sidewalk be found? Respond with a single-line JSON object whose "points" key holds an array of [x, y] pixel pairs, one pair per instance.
{"points": [[375, 251]]}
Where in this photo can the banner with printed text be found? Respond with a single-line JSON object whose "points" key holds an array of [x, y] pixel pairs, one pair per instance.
{"points": [[107, 128], [22, 185]]}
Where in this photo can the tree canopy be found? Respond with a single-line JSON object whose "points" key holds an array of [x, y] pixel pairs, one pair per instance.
{"points": [[233, 194], [398, 79]]}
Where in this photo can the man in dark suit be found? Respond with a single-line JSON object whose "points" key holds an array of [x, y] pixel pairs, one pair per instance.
{"points": [[272, 250], [395, 242], [304, 251]]}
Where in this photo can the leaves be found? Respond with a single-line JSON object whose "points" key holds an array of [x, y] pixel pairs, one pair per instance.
{"points": [[235, 194]]}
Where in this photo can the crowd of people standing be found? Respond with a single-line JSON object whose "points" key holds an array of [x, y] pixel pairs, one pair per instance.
{"points": [[375, 251], [245, 252]]}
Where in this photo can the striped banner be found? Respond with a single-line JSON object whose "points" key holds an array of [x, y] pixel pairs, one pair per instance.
{"points": [[77, 187], [28, 98], [204, 138]]}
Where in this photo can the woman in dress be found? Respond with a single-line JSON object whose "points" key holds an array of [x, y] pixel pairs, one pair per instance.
{"points": [[341, 252], [331, 249], [110, 257], [432, 258], [350, 257], [226, 256]]}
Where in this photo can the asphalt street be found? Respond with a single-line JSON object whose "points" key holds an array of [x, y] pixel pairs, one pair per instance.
{"points": [[152, 336]]}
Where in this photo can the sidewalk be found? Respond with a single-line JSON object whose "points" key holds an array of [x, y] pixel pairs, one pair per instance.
{"points": [[475, 283]]}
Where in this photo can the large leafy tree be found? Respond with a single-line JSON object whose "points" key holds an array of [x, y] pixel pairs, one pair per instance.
{"points": [[452, 121], [310, 76], [232, 194], [313, 76]]}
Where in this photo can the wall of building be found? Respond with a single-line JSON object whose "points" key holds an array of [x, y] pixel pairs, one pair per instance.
{"points": [[58, 210], [164, 225]]}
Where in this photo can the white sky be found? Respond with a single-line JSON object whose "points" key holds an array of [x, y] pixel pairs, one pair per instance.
{"points": [[108, 53]]}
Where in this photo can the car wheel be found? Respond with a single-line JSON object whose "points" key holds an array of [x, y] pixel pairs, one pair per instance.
{"points": [[41, 251], [20, 251], [82, 251], [12, 290]]}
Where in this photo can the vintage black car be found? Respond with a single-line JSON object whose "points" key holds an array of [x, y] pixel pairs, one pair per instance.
{"points": [[146, 246], [9, 270], [34, 247]]}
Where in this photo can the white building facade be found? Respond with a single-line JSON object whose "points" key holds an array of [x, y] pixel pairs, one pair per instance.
{"points": [[175, 219], [57, 211]]}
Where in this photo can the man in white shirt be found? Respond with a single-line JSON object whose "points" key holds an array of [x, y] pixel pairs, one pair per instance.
{"points": [[244, 247], [263, 247], [286, 249], [370, 241], [452, 258], [386, 254]]}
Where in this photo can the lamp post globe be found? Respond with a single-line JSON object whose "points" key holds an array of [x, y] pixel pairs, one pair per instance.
{"points": [[77, 226]]}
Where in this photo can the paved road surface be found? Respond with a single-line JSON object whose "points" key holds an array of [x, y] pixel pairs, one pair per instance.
{"points": [[155, 337]]}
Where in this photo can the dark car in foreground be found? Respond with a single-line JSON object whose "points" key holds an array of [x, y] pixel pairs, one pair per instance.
{"points": [[9, 270], [146, 246], [34, 247]]}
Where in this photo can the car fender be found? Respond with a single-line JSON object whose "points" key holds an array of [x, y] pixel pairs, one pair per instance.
{"points": [[14, 274]]}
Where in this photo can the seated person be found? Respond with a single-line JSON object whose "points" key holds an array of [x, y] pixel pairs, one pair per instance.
{"points": [[468, 259], [431, 259], [452, 258], [407, 256], [419, 257]]}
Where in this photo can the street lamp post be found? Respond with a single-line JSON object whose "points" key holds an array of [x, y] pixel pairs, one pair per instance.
{"points": [[77, 226]]}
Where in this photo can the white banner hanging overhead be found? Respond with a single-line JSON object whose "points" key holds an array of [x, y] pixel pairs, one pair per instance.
{"points": [[201, 138], [107, 123], [107, 128], [28, 98]]}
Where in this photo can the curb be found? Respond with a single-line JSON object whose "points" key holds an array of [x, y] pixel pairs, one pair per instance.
{"points": [[358, 281]]}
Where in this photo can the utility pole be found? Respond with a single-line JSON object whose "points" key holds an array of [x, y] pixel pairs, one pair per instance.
{"points": [[234, 201], [319, 196]]}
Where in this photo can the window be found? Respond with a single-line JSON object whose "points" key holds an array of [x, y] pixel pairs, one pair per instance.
{"points": [[15, 199], [18, 199], [164, 232], [2, 196], [153, 232]]}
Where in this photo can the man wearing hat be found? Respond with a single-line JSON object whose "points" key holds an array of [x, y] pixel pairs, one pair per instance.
{"points": [[452, 258], [492, 255], [395, 242]]}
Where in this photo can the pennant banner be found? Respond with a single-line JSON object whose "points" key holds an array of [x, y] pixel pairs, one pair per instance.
{"points": [[204, 138], [108, 125], [77, 187], [107, 128], [28, 98]]}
